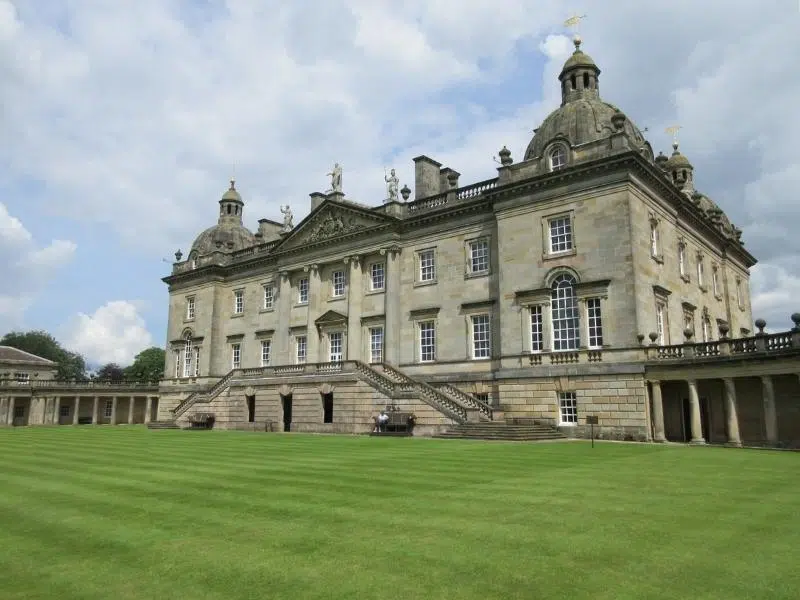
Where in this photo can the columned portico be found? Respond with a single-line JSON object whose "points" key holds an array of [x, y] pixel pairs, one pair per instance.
{"points": [[658, 412], [95, 411], [694, 407], [57, 410], [731, 416], [10, 414], [76, 410], [392, 305], [148, 409], [770, 412]]}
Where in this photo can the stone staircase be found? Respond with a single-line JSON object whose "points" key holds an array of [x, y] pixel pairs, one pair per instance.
{"points": [[162, 425], [502, 431]]}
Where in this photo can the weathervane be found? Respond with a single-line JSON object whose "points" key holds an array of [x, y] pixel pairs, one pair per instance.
{"points": [[673, 131], [574, 23]]}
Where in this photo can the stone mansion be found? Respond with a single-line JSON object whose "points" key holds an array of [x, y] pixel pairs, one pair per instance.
{"points": [[589, 278]]}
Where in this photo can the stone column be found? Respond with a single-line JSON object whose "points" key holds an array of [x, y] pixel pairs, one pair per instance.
{"points": [[10, 415], [113, 411], [694, 404], [57, 410], [131, 405], [770, 411], [282, 341], [148, 409], [355, 295], [731, 417], [392, 296], [658, 412], [314, 301], [95, 414], [3, 411], [76, 410]]}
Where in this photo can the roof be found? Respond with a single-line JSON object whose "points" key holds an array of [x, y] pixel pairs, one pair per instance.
{"points": [[11, 354]]}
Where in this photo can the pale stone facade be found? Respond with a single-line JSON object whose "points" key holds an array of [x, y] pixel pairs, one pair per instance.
{"points": [[531, 295]]}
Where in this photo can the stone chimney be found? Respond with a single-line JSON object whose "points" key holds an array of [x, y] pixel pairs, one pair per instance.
{"points": [[426, 177], [317, 198], [448, 179]]}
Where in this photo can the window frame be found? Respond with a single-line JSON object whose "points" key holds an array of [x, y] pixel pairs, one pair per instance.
{"points": [[191, 308], [433, 267], [485, 350], [594, 341], [431, 323], [297, 345], [338, 284], [339, 336], [537, 309], [303, 289], [567, 409], [568, 235], [236, 355], [266, 344], [372, 346], [471, 246], [238, 301], [373, 276], [268, 296], [573, 343], [558, 149]]}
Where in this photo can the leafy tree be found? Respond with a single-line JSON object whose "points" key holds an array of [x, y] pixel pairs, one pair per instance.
{"points": [[110, 372], [71, 365], [147, 366]]}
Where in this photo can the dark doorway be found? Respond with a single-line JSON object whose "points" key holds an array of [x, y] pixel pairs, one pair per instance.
{"points": [[251, 409], [327, 408], [705, 419], [287, 412]]}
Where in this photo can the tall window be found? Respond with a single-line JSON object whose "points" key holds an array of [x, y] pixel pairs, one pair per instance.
{"points": [[188, 356], [266, 352], [190, 308], [481, 336], [300, 348], [701, 271], [177, 363], [661, 322], [108, 409], [327, 407], [427, 265], [715, 280], [302, 291], [537, 329], [558, 158], [337, 345], [560, 234], [706, 328], [238, 302], [376, 344], [564, 307], [479, 256], [377, 276], [338, 284], [567, 408], [269, 296], [595, 323], [654, 238], [682, 259], [236, 356], [196, 361], [427, 341], [739, 295]]}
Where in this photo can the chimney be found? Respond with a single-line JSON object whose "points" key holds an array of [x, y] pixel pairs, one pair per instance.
{"points": [[426, 177], [317, 198], [448, 179]]}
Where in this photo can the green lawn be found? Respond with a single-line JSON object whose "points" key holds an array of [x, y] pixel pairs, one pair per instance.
{"points": [[129, 513]]}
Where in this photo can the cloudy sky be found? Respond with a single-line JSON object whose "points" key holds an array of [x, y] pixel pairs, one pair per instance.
{"points": [[121, 123]]}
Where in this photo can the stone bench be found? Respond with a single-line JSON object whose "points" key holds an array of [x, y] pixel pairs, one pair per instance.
{"points": [[398, 423], [201, 421]]}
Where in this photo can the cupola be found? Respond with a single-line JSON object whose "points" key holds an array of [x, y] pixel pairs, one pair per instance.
{"points": [[680, 171], [579, 76], [231, 207]]}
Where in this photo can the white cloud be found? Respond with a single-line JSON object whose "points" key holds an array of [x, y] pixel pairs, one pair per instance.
{"points": [[25, 267], [115, 332]]}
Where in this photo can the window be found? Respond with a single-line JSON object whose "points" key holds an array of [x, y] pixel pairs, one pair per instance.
{"points": [[301, 348], [427, 265], [537, 329], [177, 363], [481, 398], [595, 323], [654, 238], [564, 307], [302, 291], [567, 408], [427, 341], [688, 320], [682, 259], [701, 271], [560, 234], [715, 280], [338, 284], [558, 157], [236, 356], [64, 410], [190, 308], [479, 256], [108, 409], [197, 362], [661, 316], [251, 409], [739, 295], [266, 351], [377, 276], [336, 339], [269, 296], [238, 302], [327, 407], [376, 344], [188, 355], [481, 336], [22, 377]]}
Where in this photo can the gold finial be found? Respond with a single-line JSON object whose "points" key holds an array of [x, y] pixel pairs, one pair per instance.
{"points": [[574, 23], [673, 131]]}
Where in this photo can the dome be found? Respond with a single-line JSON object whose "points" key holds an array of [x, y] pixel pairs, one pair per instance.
{"points": [[579, 59], [580, 122], [677, 160], [222, 238]]}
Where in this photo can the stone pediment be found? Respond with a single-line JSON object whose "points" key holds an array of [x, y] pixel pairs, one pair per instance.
{"points": [[331, 318], [332, 220]]}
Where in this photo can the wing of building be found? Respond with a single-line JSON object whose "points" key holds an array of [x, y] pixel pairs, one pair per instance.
{"points": [[545, 295]]}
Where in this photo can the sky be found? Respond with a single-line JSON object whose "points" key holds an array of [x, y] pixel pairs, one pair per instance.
{"points": [[122, 123]]}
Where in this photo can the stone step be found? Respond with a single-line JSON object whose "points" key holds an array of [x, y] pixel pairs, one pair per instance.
{"points": [[499, 438], [162, 425]]}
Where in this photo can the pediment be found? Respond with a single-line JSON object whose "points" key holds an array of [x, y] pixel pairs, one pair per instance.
{"points": [[332, 220], [331, 318]]}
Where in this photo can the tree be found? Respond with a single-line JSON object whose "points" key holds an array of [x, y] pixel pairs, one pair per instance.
{"points": [[147, 366], [110, 372], [71, 365]]}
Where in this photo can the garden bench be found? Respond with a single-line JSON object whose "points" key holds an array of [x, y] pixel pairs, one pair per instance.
{"points": [[399, 422], [201, 420]]}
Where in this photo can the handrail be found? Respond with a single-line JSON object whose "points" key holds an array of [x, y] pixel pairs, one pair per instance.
{"points": [[763, 343], [484, 408], [436, 398]]}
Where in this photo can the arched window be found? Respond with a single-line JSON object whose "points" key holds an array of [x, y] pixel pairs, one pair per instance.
{"points": [[564, 308], [558, 158], [188, 357]]}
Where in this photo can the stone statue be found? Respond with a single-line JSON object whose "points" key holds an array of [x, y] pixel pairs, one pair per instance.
{"points": [[288, 223], [392, 181], [336, 178]]}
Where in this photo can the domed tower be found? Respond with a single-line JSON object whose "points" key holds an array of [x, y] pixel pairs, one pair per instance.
{"points": [[579, 76], [231, 207], [680, 171], [229, 234]]}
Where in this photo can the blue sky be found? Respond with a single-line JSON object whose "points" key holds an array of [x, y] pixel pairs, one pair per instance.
{"points": [[128, 124]]}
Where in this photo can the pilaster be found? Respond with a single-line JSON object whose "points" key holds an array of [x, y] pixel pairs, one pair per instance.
{"points": [[392, 296], [131, 405], [314, 300], [95, 413], [281, 338], [658, 412], [355, 295], [113, 420], [770, 412], [10, 413], [148, 409]]}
